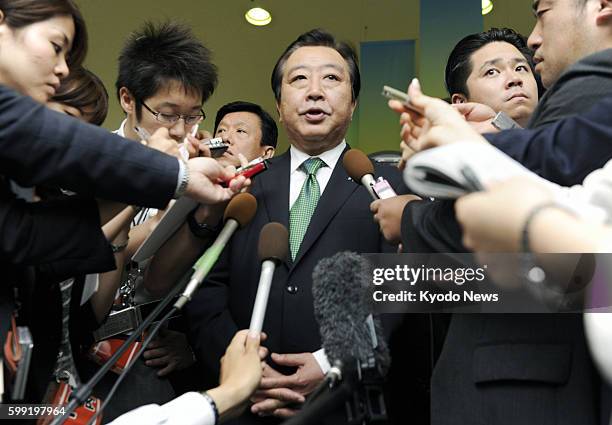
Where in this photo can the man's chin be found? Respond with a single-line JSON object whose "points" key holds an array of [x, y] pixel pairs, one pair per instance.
{"points": [[226, 161]]}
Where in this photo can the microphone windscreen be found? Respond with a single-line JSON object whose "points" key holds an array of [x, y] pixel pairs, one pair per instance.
{"points": [[241, 208], [357, 164], [340, 295], [273, 242]]}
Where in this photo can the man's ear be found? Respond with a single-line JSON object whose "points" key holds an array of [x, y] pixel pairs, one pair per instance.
{"points": [[280, 117], [268, 152], [458, 98], [353, 107], [604, 13], [127, 101]]}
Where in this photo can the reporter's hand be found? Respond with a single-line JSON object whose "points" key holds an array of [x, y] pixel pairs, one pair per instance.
{"points": [[439, 124], [203, 176], [493, 220], [240, 373], [478, 115], [169, 352], [161, 141], [388, 215]]}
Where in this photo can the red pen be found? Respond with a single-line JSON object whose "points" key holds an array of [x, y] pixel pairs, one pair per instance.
{"points": [[248, 172]]}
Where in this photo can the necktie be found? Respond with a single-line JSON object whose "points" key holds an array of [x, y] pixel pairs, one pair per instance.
{"points": [[304, 206]]}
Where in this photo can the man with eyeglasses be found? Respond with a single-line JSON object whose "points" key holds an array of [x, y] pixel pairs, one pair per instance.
{"points": [[165, 75]]}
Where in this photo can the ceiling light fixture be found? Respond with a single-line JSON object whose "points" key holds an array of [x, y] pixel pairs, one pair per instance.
{"points": [[258, 16], [487, 6]]}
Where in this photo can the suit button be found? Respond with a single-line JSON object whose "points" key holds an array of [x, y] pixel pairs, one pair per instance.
{"points": [[292, 289]]}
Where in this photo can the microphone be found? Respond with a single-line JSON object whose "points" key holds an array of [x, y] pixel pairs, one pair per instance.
{"points": [[359, 167], [348, 330], [238, 213], [353, 342], [272, 249]]}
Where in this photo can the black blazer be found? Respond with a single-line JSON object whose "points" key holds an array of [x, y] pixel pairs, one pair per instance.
{"points": [[39, 145], [342, 221]]}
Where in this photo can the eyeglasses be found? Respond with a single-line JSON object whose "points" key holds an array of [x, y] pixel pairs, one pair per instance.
{"points": [[173, 118]]}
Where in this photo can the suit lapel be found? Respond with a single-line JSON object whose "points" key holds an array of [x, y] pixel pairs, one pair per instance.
{"points": [[337, 191], [273, 189]]}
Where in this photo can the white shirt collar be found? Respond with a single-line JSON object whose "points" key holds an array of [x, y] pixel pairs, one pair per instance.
{"points": [[330, 157], [121, 130]]}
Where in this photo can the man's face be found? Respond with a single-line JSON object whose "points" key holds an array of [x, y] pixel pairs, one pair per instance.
{"points": [[171, 98], [560, 36], [242, 130], [316, 103], [501, 78]]}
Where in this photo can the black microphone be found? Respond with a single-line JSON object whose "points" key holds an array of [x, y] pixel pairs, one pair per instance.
{"points": [[348, 330], [272, 249], [353, 342]]}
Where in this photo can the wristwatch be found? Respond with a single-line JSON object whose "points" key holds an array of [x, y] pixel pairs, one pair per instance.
{"points": [[201, 230]]}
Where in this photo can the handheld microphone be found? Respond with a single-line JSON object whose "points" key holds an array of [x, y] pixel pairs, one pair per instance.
{"points": [[239, 212], [353, 342], [348, 330], [272, 249], [359, 167]]}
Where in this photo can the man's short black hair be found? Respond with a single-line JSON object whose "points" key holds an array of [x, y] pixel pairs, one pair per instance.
{"points": [[157, 54], [318, 37], [269, 131], [459, 64]]}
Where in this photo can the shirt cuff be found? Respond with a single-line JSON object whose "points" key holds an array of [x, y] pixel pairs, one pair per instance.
{"points": [[189, 409], [321, 358]]}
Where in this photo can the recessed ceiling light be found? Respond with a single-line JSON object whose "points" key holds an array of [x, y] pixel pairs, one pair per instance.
{"points": [[487, 6], [258, 16]]}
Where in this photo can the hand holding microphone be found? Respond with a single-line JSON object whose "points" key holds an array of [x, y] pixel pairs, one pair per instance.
{"points": [[203, 175]]}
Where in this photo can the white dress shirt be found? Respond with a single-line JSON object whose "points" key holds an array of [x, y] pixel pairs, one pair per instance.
{"points": [[297, 177], [189, 409]]}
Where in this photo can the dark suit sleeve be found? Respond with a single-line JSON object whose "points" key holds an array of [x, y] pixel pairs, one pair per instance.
{"points": [[39, 145], [62, 237], [210, 323], [566, 151]]}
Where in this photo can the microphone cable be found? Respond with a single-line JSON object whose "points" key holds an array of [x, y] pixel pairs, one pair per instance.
{"points": [[79, 396], [125, 371]]}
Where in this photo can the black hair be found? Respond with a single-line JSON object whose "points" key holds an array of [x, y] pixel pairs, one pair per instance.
{"points": [[269, 131], [83, 90], [459, 64], [318, 37], [156, 54], [21, 13]]}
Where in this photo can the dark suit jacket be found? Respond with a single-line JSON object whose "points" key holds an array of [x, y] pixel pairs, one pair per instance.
{"points": [[342, 221], [508, 369], [39, 145]]}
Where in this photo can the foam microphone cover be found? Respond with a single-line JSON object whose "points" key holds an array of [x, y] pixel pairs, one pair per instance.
{"points": [[340, 294], [273, 242], [357, 164], [241, 208]]}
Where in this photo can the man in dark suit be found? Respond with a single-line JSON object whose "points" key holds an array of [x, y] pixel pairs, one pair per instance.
{"points": [[491, 366], [316, 84], [39, 145]]}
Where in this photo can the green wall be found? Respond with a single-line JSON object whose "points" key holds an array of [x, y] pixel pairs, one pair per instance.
{"points": [[245, 54]]}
